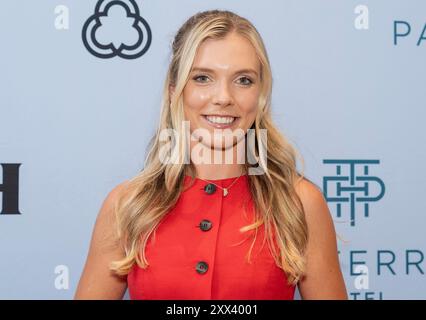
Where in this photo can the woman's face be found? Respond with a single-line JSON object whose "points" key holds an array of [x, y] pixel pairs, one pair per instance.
{"points": [[223, 89]]}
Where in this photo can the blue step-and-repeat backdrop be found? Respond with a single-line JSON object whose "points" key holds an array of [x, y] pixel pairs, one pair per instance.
{"points": [[76, 117]]}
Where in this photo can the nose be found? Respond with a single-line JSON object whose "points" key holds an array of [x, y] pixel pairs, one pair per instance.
{"points": [[222, 95]]}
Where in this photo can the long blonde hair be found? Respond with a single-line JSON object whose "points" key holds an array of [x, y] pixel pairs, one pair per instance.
{"points": [[155, 190]]}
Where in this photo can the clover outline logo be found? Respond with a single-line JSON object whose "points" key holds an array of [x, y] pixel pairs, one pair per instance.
{"points": [[106, 51]]}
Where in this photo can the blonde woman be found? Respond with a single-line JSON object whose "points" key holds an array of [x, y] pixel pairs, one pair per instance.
{"points": [[192, 227]]}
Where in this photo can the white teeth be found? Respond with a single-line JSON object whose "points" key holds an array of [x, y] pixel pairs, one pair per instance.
{"points": [[220, 120]]}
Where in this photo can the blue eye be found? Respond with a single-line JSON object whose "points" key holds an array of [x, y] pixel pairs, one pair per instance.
{"points": [[247, 82], [198, 77]]}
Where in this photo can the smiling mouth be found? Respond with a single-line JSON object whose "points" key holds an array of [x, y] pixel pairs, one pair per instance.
{"points": [[220, 120]]}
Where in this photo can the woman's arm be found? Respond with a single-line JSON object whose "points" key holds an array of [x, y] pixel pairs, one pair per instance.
{"points": [[323, 279], [97, 281]]}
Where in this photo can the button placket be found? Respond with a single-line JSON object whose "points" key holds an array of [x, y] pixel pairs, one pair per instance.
{"points": [[208, 221]]}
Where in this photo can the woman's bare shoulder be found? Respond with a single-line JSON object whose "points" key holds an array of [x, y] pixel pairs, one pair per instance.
{"points": [[118, 190], [323, 278], [309, 192], [315, 207], [112, 197], [97, 281]]}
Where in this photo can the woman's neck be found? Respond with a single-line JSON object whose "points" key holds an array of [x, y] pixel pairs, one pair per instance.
{"points": [[213, 168], [218, 171]]}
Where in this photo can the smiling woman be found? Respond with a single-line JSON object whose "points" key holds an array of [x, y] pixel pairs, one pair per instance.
{"points": [[169, 234]]}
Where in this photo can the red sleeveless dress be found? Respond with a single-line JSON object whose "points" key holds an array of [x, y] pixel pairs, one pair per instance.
{"points": [[198, 252]]}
